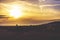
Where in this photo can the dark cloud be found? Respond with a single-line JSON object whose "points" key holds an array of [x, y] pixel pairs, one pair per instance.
{"points": [[25, 21], [34, 1], [57, 8], [31, 1], [7, 0], [2, 0], [56, 0]]}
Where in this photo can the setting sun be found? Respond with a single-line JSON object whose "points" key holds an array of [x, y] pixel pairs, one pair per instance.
{"points": [[15, 11]]}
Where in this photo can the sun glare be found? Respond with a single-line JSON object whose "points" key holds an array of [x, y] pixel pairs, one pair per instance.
{"points": [[15, 11]]}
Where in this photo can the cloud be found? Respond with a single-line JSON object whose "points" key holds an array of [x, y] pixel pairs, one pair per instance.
{"points": [[52, 2], [57, 0], [24, 21], [33, 14], [6, 1]]}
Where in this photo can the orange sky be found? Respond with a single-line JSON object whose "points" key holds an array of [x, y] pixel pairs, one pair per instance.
{"points": [[32, 13]]}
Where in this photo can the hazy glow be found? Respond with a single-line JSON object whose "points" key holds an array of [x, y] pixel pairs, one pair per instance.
{"points": [[15, 11]]}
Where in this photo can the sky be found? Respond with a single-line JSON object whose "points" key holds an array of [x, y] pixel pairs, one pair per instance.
{"points": [[35, 11]]}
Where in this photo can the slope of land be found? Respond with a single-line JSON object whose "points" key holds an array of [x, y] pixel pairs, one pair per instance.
{"points": [[50, 31]]}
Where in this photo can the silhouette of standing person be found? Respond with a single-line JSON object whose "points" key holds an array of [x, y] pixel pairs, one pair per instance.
{"points": [[17, 26]]}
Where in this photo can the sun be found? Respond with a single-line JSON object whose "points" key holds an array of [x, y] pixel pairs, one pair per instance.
{"points": [[15, 11]]}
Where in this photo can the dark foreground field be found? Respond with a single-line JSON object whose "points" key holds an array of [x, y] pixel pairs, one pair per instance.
{"points": [[50, 31]]}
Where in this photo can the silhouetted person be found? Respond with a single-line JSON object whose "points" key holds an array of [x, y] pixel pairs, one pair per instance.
{"points": [[17, 26]]}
